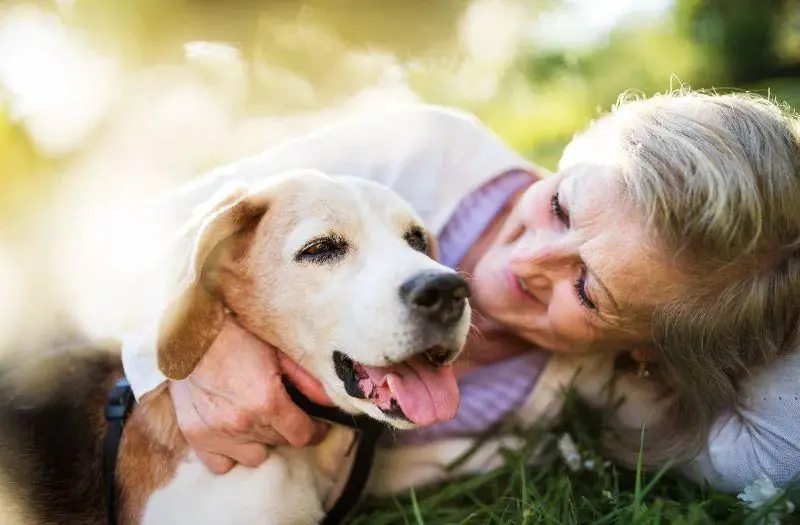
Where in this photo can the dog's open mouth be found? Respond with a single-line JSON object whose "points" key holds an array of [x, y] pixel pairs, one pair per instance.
{"points": [[420, 389]]}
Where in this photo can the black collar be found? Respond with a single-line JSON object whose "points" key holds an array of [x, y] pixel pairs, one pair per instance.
{"points": [[119, 406], [121, 402], [369, 430]]}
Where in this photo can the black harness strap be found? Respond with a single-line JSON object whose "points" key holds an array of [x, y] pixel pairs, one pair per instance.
{"points": [[369, 430], [119, 406], [121, 402]]}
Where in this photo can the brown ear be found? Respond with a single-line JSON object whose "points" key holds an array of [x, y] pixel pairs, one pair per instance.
{"points": [[195, 316]]}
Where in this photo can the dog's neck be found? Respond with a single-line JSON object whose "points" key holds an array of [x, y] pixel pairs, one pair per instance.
{"points": [[152, 447], [329, 413]]}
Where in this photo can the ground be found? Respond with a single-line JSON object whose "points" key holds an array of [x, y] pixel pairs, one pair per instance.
{"points": [[552, 493]]}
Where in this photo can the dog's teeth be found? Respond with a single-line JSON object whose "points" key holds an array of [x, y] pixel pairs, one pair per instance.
{"points": [[437, 356]]}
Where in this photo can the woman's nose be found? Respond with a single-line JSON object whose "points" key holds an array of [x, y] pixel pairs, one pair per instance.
{"points": [[542, 249], [541, 246]]}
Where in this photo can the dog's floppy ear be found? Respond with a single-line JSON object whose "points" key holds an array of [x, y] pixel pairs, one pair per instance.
{"points": [[195, 316]]}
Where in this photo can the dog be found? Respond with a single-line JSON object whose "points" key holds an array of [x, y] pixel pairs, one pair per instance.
{"points": [[338, 272]]}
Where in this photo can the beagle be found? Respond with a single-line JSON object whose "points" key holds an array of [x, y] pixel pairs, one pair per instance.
{"points": [[338, 272]]}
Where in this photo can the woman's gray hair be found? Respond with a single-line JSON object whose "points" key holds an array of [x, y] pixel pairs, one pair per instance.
{"points": [[716, 181]]}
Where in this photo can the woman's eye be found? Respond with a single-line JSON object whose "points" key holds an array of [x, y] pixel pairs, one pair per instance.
{"points": [[417, 239], [323, 250], [557, 210], [580, 291]]}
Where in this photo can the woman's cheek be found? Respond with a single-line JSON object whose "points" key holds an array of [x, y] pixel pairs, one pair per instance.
{"points": [[533, 209], [568, 322], [512, 230]]}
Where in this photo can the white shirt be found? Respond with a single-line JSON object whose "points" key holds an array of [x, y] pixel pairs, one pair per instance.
{"points": [[434, 157], [431, 156]]}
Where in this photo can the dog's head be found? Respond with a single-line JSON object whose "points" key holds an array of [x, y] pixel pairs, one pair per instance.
{"points": [[341, 275]]}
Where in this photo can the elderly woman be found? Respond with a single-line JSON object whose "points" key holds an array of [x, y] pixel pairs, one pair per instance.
{"points": [[668, 241]]}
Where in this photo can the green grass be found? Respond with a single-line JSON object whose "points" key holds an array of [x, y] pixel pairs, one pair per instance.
{"points": [[550, 493]]}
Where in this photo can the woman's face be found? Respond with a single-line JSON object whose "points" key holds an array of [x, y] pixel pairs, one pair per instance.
{"points": [[570, 266]]}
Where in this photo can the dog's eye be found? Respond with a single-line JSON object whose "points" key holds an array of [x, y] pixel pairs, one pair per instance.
{"points": [[323, 250], [417, 239]]}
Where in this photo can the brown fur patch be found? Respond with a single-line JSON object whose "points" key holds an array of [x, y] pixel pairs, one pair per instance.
{"points": [[194, 318], [152, 445], [52, 426], [191, 324], [52, 431]]}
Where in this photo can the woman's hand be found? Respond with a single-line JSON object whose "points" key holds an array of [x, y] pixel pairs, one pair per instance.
{"points": [[234, 404]]}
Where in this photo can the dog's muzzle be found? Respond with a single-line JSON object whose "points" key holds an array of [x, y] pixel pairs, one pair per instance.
{"points": [[437, 296]]}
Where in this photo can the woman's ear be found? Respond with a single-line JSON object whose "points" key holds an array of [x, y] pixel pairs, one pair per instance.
{"points": [[646, 354], [194, 317]]}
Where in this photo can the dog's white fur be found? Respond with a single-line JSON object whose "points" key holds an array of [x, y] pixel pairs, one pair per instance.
{"points": [[291, 487], [309, 310]]}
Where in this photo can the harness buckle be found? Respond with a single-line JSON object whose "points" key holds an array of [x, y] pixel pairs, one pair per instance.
{"points": [[120, 402]]}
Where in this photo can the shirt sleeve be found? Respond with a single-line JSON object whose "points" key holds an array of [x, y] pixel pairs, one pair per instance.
{"points": [[392, 148], [761, 436]]}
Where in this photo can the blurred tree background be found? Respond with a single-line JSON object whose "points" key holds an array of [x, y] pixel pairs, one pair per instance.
{"points": [[533, 89], [104, 101]]}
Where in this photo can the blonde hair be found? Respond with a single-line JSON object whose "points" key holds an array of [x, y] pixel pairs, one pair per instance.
{"points": [[715, 179]]}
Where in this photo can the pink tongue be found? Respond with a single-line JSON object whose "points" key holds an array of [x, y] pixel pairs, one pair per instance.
{"points": [[425, 393]]}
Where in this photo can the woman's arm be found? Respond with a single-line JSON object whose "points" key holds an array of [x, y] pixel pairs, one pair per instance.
{"points": [[410, 150], [385, 147], [762, 436]]}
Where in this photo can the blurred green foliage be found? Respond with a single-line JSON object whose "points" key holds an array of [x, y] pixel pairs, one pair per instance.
{"points": [[541, 100], [741, 35]]}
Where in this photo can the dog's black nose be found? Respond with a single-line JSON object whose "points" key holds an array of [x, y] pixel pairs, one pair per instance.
{"points": [[439, 296]]}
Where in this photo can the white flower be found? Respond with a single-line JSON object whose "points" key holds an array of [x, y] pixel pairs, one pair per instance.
{"points": [[761, 492], [569, 451]]}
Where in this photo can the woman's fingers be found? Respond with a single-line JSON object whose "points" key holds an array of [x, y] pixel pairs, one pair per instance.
{"points": [[303, 380], [288, 420], [235, 403], [248, 454], [216, 463], [218, 440]]}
